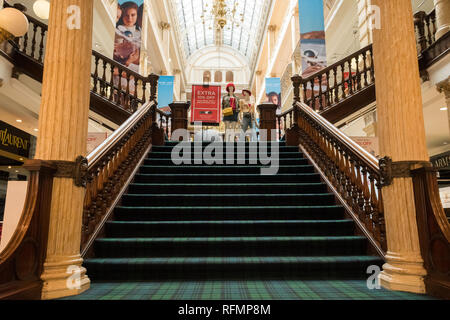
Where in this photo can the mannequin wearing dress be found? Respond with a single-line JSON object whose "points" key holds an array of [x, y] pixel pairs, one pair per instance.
{"points": [[247, 116], [231, 122]]}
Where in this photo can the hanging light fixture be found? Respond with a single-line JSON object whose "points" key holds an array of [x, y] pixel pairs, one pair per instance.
{"points": [[42, 9], [13, 24]]}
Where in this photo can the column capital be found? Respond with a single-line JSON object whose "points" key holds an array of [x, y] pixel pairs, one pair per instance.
{"points": [[444, 87], [164, 25]]}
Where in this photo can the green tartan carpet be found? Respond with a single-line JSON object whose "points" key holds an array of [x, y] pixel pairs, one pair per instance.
{"points": [[228, 232], [242, 290]]}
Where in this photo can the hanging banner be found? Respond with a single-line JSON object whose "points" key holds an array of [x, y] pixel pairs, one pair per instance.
{"points": [[312, 41], [165, 92], [273, 92], [206, 104], [127, 43]]}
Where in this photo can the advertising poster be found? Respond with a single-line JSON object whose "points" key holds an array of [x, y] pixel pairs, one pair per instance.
{"points": [[312, 41], [165, 92], [15, 141], [273, 92], [127, 42], [95, 139], [206, 104], [370, 144]]}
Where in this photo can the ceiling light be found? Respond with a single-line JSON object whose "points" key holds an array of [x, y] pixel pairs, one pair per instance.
{"points": [[35, 129], [42, 9], [444, 109], [13, 24], [17, 171], [9, 167], [21, 159], [19, 121]]}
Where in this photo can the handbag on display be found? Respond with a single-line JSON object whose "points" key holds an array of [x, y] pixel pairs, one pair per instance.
{"points": [[228, 112]]}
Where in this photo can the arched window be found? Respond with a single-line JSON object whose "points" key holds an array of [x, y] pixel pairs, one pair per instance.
{"points": [[218, 76], [206, 76], [230, 76]]}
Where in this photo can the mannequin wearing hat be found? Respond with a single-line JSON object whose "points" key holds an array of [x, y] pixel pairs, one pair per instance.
{"points": [[247, 116], [231, 122]]}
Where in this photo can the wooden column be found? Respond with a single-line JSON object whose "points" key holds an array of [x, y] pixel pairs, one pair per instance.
{"points": [[179, 115], [402, 137], [63, 122], [268, 118]]}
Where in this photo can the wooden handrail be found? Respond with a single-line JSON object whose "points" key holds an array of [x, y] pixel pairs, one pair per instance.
{"points": [[353, 173], [110, 166]]}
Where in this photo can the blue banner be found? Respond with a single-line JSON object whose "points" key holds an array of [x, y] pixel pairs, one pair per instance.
{"points": [[165, 92], [312, 29], [273, 92]]}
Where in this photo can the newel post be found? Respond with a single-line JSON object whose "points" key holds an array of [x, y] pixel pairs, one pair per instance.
{"points": [[268, 119], [153, 79], [297, 81], [179, 112]]}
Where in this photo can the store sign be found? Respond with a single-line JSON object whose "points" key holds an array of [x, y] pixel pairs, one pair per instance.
{"points": [[14, 140], [206, 104], [441, 161]]}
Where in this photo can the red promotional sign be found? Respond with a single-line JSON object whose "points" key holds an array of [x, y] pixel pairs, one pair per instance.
{"points": [[206, 104]]}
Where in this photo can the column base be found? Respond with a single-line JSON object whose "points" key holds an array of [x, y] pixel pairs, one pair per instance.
{"points": [[403, 275], [63, 279]]}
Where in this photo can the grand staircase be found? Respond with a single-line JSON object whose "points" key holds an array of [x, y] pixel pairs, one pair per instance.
{"points": [[228, 222]]}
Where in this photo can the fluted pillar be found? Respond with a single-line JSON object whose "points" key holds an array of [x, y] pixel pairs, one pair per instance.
{"points": [[442, 17], [402, 137], [63, 122]]}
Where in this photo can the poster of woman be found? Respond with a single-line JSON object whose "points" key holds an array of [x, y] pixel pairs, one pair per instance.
{"points": [[127, 44]]}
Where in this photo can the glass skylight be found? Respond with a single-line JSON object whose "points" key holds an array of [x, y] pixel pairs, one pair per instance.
{"points": [[197, 26]]}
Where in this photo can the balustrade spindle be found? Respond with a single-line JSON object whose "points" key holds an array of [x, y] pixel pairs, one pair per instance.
{"points": [[96, 61], [111, 83], [33, 42], [41, 45]]}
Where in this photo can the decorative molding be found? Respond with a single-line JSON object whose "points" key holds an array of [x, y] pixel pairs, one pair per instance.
{"points": [[77, 170]]}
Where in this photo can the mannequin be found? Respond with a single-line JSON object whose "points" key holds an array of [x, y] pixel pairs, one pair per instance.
{"points": [[231, 122], [247, 115]]}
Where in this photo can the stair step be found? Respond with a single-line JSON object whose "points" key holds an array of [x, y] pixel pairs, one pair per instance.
{"points": [[282, 162], [247, 147], [203, 200], [228, 178], [229, 246], [257, 213], [322, 267], [234, 188], [225, 155], [207, 143], [206, 169], [222, 228]]}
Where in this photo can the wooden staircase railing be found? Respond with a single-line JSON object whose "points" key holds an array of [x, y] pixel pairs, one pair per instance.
{"points": [[110, 169], [342, 88], [113, 164], [116, 91], [351, 172]]}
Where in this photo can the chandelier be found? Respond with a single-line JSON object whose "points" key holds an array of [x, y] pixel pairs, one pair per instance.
{"points": [[223, 14]]}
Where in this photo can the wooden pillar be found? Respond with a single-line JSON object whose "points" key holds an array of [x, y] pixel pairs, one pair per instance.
{"points": [[179, 112], [268, 118], [402, 137], [63, 122]]}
